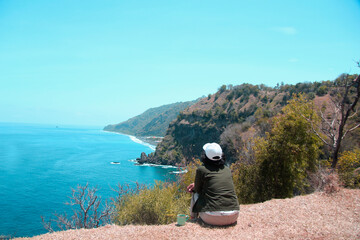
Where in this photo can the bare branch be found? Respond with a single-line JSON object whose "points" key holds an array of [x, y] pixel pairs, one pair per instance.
{"points": [[355, 113], [86, 213], [47, 224], [314, 130], [350, 130]]}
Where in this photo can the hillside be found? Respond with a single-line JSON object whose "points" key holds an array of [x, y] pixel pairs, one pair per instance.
{"points": [[230, 117], [314, 216], [153, 122]]}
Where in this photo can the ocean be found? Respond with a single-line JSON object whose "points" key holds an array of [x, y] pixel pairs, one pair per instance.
{"points": [[39, 164]]}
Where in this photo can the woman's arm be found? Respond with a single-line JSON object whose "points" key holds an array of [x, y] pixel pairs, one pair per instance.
{"points": [[198, 181]]}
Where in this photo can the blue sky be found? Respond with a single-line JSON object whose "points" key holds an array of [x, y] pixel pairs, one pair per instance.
{"points": [[100, 62]]}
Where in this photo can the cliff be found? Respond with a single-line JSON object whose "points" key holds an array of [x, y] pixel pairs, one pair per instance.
{"points": [[227, 117], [230, 117]]}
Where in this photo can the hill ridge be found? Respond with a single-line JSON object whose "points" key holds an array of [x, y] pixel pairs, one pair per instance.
{"points": [[152, 122]]}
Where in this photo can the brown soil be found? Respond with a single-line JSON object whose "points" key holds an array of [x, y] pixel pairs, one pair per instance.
{"points": [[315, 216]]}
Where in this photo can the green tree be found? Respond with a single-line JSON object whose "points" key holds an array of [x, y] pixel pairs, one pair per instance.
{"points": [[222, 89], [288, 152]]}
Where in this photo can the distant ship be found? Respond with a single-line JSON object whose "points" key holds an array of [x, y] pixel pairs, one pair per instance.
{"points": [[115, 162]]}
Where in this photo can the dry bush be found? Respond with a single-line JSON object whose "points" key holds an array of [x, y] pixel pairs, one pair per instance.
{"points": [[332, 183], [86, 208], [325, 180]]}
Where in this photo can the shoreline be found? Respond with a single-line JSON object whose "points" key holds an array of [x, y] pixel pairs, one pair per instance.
{"points": [[135, 139], [152, 145]]}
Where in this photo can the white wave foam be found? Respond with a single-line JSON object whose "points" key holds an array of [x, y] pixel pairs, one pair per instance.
{"points": [[156, 165], [167, 166], [135, 139], [179, 172]]}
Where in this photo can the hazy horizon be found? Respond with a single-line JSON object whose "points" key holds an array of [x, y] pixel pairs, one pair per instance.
{"points": [[95, 63]]}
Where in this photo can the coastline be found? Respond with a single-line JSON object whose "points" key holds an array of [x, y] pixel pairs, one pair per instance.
{"points": [[151, 142], [136, 139]]}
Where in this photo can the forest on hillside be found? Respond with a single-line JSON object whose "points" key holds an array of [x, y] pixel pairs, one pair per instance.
{"points": [[153, 122], [275, 139]]}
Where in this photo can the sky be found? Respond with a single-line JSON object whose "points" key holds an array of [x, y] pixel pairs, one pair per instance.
{"points": [[99, 62]]}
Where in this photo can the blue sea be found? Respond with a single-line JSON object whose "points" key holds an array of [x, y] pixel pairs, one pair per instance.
{"points": [[39, 164]]}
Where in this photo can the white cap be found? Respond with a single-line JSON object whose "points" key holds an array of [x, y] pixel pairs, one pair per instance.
{"points": [[213, 151]]}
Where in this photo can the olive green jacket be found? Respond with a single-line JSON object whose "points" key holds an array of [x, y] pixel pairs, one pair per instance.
{"points": [[215, 187]]}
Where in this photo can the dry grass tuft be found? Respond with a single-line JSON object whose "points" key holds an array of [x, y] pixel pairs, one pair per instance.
{"points": [[332, 183], [325, 181]]}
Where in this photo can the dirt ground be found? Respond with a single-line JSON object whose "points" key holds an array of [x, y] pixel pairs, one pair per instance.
{"points": [[315, 216]]}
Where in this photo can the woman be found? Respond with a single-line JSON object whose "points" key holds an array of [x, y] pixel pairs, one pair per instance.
{"points": [[214, 199]]}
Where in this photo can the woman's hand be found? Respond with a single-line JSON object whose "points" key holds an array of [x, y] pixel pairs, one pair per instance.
{"points": [[190, 188]]}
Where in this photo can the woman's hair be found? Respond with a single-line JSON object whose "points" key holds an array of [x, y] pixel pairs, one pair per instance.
{"points": [[206, 160]]}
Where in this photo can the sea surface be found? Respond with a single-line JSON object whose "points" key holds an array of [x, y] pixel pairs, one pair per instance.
{"points": [[39, 164]]}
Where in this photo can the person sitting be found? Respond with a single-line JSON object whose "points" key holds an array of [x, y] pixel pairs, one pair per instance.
{"points": [[214, 199]]}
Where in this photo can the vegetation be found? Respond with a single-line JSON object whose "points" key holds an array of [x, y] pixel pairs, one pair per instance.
{"points": [[280, 142], [281, 160], [349, 168], [334, 125], [87, 209], [269, 138], [158, 204], [288, 153], [153, 122]]}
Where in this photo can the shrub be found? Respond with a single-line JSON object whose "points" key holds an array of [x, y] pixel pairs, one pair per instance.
{"points": [[322, 90], [245, 178], [324, 180], [158, 204], [332, 183], [349, 168]]}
